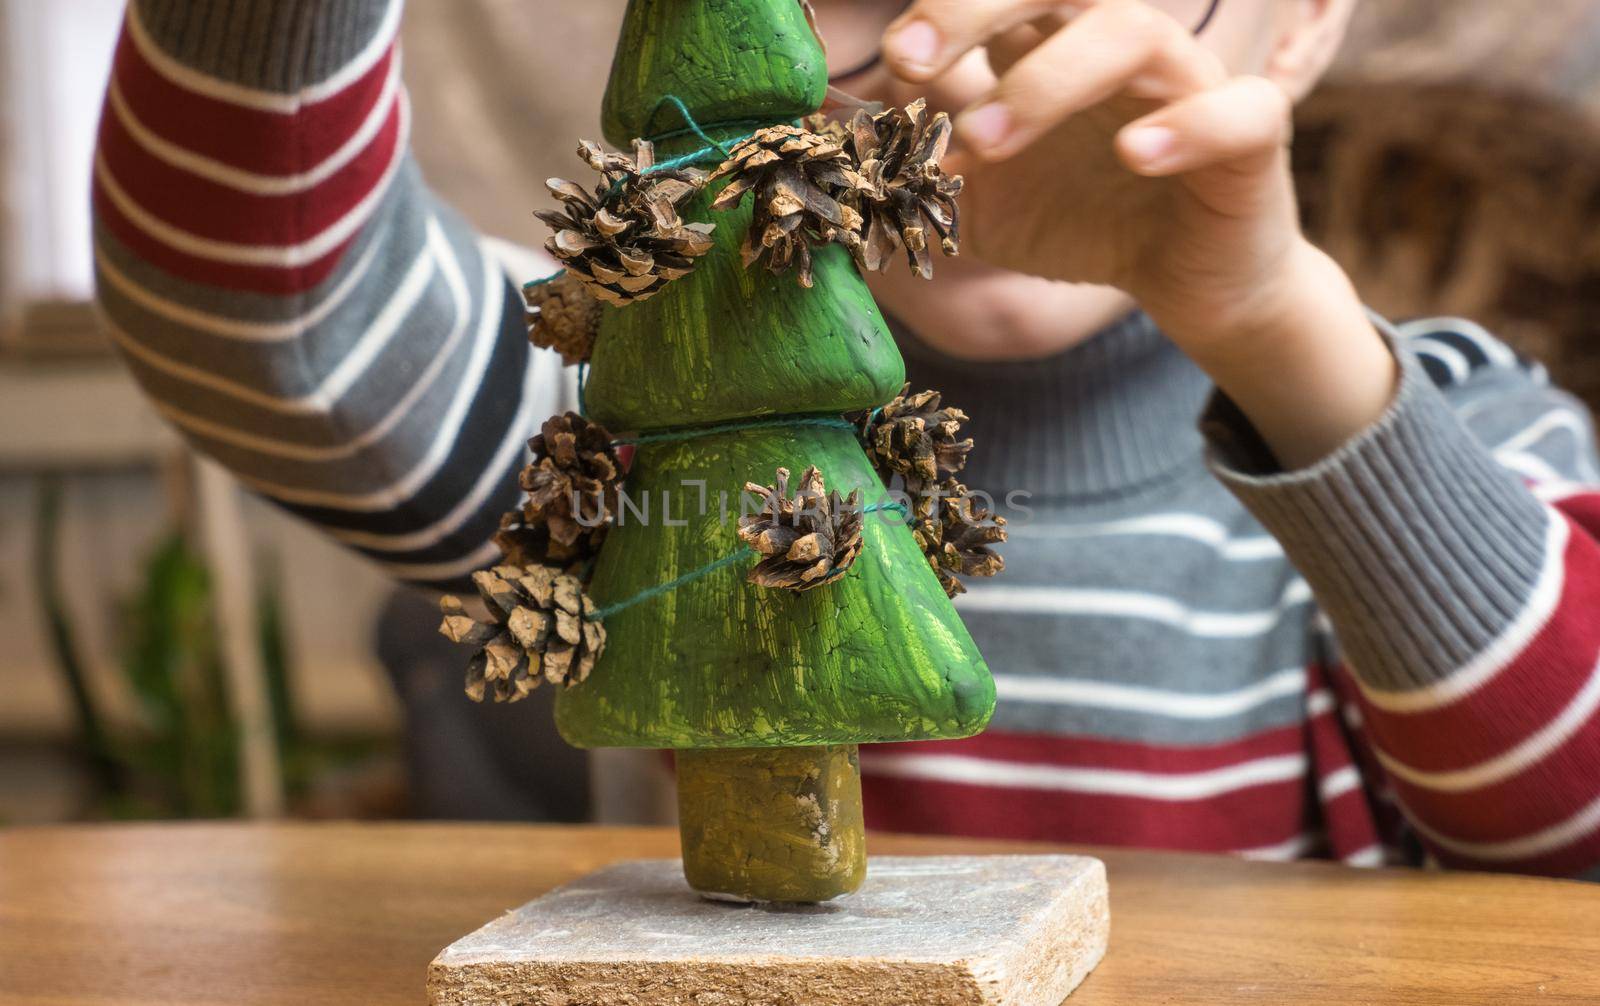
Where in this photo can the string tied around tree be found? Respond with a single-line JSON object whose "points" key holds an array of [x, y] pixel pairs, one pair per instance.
{"points": [[873, 185]]}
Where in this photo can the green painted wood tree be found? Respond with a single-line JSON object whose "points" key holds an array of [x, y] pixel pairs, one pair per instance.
{"points": [[764, 693]]}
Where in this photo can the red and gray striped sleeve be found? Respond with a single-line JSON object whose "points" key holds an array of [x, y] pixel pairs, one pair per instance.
{"points": [[1455, 548], [291, 295]]}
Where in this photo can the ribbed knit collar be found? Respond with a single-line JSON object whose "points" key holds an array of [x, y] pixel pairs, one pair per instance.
{"points": [[1102, 419]]}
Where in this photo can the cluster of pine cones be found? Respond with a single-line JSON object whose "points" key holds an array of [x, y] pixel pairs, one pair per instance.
{"points": [[810, 538], [873, 185], [541, 625], [915, 437]]}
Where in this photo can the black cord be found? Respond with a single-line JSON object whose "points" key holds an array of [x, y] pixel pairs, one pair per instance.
{"points": [[1211, 12]]}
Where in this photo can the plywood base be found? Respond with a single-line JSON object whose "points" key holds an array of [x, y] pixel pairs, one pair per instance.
{"points": [[943, 931]]}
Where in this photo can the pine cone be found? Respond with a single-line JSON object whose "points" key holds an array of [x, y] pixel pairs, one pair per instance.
{"points": [[798, 178], [541, 631], [626, 241], [898, 152], [928, 532], [524, 544], [914, 436], [954, 529], [571, 486], [807, 540], [564, 316]]}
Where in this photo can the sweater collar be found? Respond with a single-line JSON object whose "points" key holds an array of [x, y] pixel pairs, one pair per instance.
{"points": [[1101, 419]]}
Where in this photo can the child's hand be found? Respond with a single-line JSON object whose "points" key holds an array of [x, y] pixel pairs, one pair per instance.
{"points": [[1117, 149]]}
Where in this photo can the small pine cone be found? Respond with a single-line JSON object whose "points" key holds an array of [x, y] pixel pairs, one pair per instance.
{"points": [[898, 153], [806, 540], [626, 241], [540, 630], [958, 543], [564, 316], [571, 486], [914, 437], [524, 544], [799, 179]]}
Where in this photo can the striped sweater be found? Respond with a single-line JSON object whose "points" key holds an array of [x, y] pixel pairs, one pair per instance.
{"points": [[1392, 655]]}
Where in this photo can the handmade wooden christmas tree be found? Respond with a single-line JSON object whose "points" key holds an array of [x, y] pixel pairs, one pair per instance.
{"points": [[760, 639], [736, 335], [763, 693]]}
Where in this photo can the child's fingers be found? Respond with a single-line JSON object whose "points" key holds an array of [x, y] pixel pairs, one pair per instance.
{"points": [[1244, 117], [1006, 49], [927, 39], [1102, 52]]}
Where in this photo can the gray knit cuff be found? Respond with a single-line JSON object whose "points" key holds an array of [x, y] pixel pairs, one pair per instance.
{"points": [[270, 45], [1420, 548]]}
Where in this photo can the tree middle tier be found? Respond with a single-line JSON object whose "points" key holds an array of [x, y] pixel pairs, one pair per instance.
{"points": [[879, 655], [727, 343]]}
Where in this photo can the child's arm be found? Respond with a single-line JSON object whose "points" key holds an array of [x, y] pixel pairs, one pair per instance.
{"points": [[1115, 148], [1453, 545], [290, 294]]}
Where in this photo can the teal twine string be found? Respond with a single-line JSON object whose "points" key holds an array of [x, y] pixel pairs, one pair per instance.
{"points": [[534, 284], [688, 120], [696, 432], [602, 614], [583, 380], [899, 508], [744, 553], [691, 128]]}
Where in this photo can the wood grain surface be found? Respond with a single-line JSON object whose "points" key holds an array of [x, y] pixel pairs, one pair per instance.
{"points": [[316, 915]]}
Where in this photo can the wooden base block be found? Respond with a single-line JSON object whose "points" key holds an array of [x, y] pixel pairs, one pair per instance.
{"points": [[937, 931]]}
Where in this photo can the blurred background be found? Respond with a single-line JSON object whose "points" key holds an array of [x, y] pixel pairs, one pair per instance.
{"points": [[171, 647]]}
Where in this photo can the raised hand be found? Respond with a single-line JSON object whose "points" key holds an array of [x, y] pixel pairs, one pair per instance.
{"points": [[1115, 148]]}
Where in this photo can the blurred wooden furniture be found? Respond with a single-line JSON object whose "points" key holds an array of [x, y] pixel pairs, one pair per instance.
{"points": [[83, 416], [1451, 163], [339, 914]]}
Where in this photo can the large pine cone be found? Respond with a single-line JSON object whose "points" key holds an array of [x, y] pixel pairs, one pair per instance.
{"points": [[914, 437], [626, 241], [806, 540], [955, 530], [798, 178], [564, 316], [571, 485], [898, 153], [540, 630]]}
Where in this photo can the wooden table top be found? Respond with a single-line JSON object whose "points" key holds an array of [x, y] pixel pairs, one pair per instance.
{"points": [[344, 914]]}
